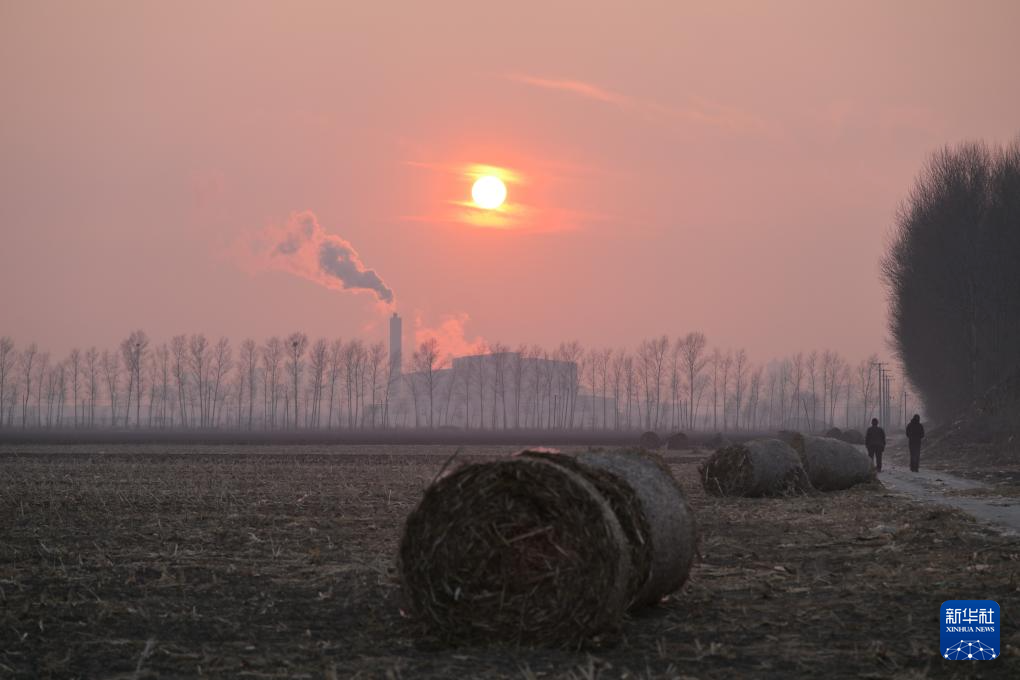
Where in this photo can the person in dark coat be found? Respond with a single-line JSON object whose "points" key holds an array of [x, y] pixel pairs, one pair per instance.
{"points": [[874, 440], [915, 433]]}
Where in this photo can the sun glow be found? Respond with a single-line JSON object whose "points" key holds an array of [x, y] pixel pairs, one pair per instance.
{"points": [[488, 192]]}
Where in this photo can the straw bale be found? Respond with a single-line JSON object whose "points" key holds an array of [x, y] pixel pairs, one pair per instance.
{"points": [[673, 533], [519, 550], [853, 437], [761, 467], [832, 464]]}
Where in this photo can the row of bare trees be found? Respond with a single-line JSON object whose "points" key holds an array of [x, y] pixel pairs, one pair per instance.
{"points": [[290, 382], [287, 383], [190, 382], [664, 385]]}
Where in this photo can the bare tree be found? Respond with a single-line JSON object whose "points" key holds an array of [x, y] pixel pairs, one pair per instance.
{"points": [[498, 352], [336, 349], [630, 386], [753, 398], [727, 364], [865, 373], [797, 378], [317, 359], [692, 353], [353, 356], [8, 358], [297, 343], [74, 366], [739, 378], [250, 365], [716, 360], [222, 361], [377, 359], [617, 375], [812, 371], [164, 371], [651, 365], [27, 364], [517, 364], [110, 364], [133, 349], [674, 386], [197, 346], [425, 363], [92, 371], [272, 353], [179, 347], [42, 367], [605, 357]]}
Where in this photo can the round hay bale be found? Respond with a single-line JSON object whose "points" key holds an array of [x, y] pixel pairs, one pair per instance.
{"points": [[834, 433], [787, 436], [677, 441], [832, 464], [650, 441], [853, 437], [672, 529], [626, 505], [520, 550], [761, 467]]}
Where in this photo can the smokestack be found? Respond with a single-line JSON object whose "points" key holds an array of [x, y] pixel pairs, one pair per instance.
{"points": [[396, 341]]}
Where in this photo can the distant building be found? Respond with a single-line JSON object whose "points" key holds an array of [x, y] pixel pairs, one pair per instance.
{"points": [[491, 391]]}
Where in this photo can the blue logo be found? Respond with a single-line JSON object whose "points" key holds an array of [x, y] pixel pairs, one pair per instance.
{"points": [[970, 630]]}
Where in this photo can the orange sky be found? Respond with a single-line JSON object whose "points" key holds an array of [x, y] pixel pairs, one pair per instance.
{"points": [[726, 167]]}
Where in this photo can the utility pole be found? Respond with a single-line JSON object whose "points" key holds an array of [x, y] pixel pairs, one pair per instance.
{"points": [[881, 391], [888, 398]]}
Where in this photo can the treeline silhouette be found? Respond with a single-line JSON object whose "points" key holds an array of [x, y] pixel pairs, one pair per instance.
{"points": [[953, 276], [289, 384]]}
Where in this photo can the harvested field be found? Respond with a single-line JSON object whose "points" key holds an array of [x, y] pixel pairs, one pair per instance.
{"points": [[256, 562]]}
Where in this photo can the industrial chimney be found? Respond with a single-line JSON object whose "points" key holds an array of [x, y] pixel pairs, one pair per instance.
{"points": [[396, 341]]}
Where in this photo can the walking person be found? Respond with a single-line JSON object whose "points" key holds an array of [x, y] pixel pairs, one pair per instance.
{"points": [[875, 442], [915, 433]]}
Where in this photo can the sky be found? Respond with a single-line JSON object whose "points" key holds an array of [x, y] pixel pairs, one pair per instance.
{"points": [[254, 168]]}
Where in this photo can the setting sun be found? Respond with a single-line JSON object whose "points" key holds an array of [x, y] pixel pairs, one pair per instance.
{"points": [[488, 192]]}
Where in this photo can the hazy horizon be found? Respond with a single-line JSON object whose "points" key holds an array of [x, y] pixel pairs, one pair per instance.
{"points": [[730, 168]]}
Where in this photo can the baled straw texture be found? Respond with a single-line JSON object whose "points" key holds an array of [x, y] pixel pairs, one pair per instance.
{"points": [[853, 437], [761, 467], [833, 465], [673, 532], [626, 505], [521, 550]]}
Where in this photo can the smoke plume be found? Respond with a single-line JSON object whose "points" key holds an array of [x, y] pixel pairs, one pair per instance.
{"points": [[450, 335], [302, 247]]}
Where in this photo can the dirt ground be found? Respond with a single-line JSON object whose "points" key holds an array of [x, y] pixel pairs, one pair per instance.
{"points": [[995, 464], [277, 562]]}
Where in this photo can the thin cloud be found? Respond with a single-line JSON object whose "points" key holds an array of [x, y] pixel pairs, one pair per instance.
{"points": [[698, 110], [577, 87]]}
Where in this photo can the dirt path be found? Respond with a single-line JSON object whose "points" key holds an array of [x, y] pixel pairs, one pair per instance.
{"points": [[935, 486]]}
